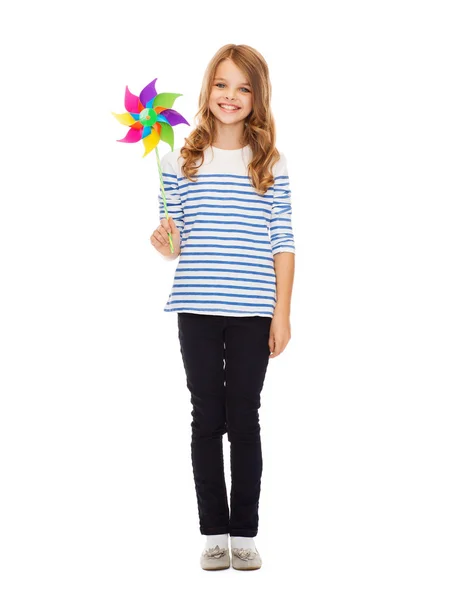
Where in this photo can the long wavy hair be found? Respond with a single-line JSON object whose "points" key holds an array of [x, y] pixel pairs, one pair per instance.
{"points": [[259, 127]]}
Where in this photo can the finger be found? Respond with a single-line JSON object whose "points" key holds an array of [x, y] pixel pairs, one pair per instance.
{"points": [[166, 225], [155, 242], [163, 235], [166, 234], [162, 241]]}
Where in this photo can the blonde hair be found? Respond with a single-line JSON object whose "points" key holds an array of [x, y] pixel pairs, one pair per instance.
{"points": [[259, 130]]}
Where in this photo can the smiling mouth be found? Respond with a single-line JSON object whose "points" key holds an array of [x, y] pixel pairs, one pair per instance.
{"points": [[228, 108]]}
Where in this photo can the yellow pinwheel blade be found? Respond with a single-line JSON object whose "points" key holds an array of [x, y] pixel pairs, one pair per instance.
{"points": [[151, 141], [125, 118]]}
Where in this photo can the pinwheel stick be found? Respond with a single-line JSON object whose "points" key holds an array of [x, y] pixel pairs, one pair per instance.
{"points": [[171, 245]]}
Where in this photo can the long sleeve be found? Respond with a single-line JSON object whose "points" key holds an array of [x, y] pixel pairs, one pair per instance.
{"points": [[281, 231], [171, 189]]}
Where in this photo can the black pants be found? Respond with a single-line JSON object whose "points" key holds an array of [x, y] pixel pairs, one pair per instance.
{"points": [[225, 360]]}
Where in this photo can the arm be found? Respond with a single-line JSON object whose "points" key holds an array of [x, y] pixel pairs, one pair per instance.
{"points": [[173, 200], [284, 265], [282, 238]]}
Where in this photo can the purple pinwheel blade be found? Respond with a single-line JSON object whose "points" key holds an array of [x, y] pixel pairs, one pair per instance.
{"points": [[148, 92], [173, 116]]}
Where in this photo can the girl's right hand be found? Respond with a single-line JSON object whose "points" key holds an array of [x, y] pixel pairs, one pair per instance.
{"points": [[160, 239]]}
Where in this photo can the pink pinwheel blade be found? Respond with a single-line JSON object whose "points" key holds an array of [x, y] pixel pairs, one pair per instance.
{"points": [[131, 102], [133, 135], [173, 116], [148, 92]]}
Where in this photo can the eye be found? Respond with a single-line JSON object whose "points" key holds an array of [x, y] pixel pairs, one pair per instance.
{"points": [[242, 88]]}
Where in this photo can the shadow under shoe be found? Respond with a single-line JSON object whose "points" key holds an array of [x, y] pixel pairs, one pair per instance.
{"points": [[215, 559]]}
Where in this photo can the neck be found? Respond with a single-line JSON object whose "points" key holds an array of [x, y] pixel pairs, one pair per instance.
{"points": [[229, 137]]}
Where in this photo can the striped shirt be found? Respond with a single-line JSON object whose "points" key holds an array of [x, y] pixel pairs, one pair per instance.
{"points": [[228, 234]]}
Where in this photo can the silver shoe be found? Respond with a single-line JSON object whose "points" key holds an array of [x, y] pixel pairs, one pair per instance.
{"points": [[245, 559], [215, 559]]}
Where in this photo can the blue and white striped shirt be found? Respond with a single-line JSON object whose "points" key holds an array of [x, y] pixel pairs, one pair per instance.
{"points": [[229, 234]]}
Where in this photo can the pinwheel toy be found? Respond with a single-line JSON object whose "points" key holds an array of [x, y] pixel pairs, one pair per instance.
{"points": [[150, 118]]}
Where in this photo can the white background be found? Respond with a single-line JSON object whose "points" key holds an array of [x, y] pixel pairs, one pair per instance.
{"points": [[359, 413]]}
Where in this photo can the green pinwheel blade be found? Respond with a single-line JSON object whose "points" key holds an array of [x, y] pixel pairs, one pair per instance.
{"points": [[165, 100], [167, 134]]}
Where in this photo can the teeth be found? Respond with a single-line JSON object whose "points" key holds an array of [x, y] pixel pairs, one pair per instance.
{"points": [[229, 107]]}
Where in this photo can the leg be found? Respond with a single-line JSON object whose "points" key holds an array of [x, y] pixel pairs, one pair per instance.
{"points": [[247, 356], [201, 345]]}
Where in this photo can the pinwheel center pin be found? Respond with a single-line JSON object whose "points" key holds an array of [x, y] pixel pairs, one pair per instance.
{"points": [[148, 117]]}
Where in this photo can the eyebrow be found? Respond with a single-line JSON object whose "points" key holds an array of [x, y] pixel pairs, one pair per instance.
{"points": [[223, 79]]}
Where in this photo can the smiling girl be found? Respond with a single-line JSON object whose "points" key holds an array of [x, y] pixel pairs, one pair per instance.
{"points": [[229, 204]]}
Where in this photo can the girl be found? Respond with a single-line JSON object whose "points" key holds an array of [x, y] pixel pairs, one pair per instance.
{"points": [[228, 196]]}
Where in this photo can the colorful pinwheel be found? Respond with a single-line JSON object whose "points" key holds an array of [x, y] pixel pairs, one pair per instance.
{"points": [[150, 118]]}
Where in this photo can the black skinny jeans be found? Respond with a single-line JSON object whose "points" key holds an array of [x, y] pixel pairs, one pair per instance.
{"points": [[225, 360]]}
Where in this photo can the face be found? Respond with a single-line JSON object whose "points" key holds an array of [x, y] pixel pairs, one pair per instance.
{"points": [[230, 86]]}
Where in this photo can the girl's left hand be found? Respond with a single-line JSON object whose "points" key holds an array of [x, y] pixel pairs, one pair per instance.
{"points": [[279, 334]]}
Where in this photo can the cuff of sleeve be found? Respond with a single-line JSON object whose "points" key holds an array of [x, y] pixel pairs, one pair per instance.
{"points": [[284, 249]]}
